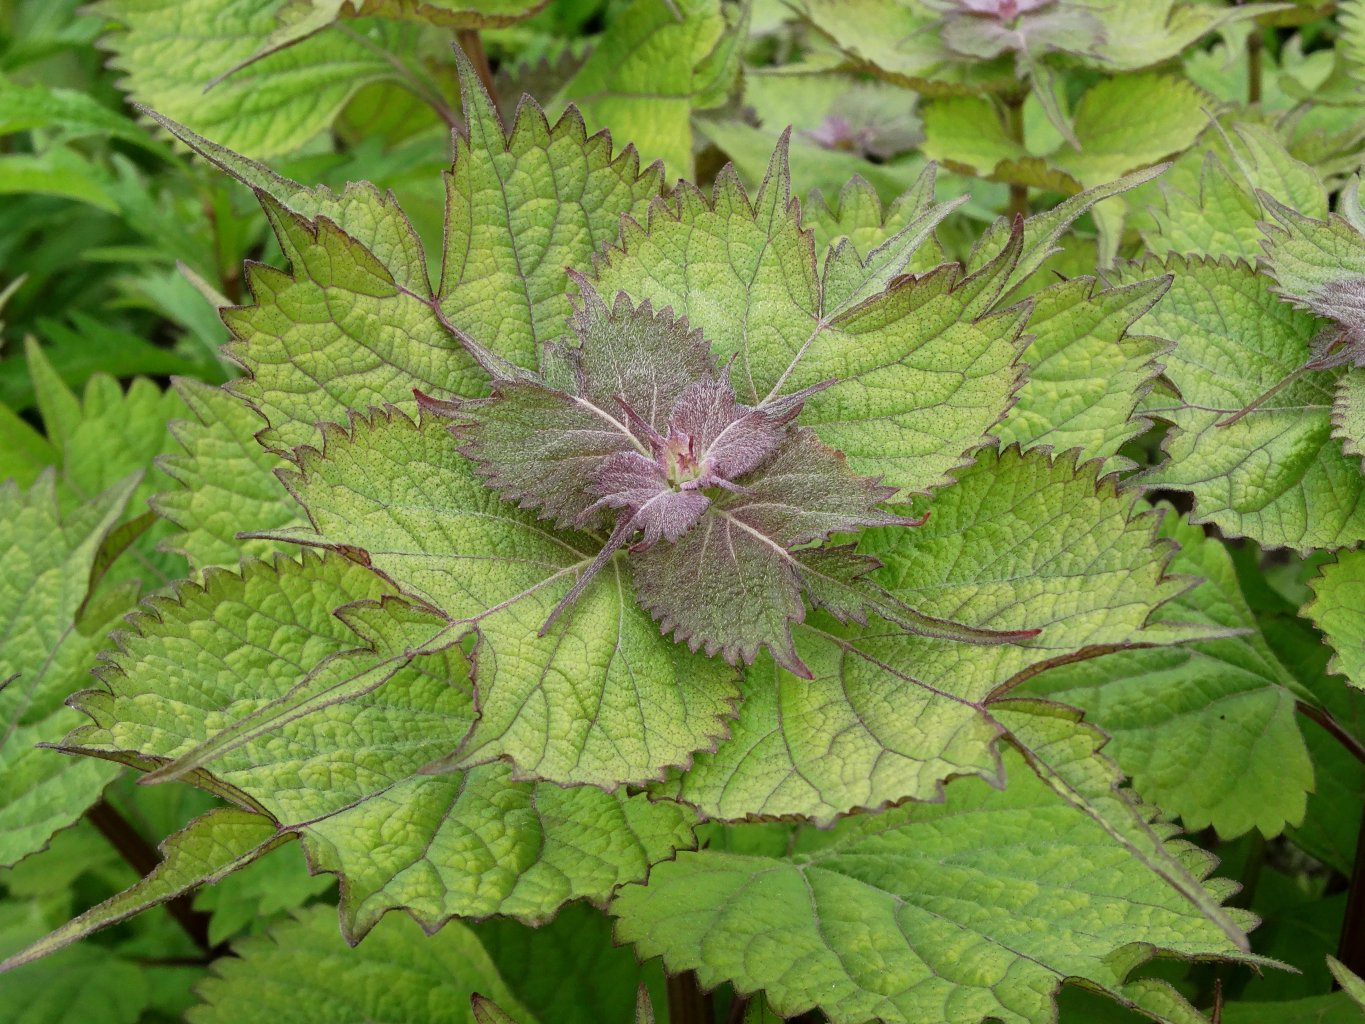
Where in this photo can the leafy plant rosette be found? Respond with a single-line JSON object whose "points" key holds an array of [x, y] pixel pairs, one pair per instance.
{"points": [[649, 514]]}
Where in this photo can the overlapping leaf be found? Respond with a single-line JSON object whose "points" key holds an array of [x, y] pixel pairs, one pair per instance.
{"points": [[226, 481], [207, 849], [888, 716], [1087, 374], [652, 67], [1276, 474], [923, 369], [171, 50], [917, 893], [1207, 731], [1338, 597], [52, 631], [601, 697], [251, 653], [355, 322], [1209, 205], [302, 970]]}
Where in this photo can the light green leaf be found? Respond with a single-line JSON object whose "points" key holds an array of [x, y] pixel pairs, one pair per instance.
{"points": [[812, 166], [247, 645], [59, 172], [858, 215], [1348, 412], [1142, 35], [899, 41], [226, 481], [1338, 597], [653, 66], [1132, 121], [520, 208], [360, 210], [207, 848], [69, 113], [1276, 475], [171, 50], [1207, 731], [338, 333], [889, 716], [1044, 230], [303, 972], [979, 907], [1349, 981], [1306, 256], [602, 698], [50, 560], [922, 369], [967, 134], [1087, 374], [475, 843], [101, 438]]}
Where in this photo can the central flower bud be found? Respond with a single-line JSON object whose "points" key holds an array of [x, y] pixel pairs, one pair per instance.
{"points": [[680, 464]]}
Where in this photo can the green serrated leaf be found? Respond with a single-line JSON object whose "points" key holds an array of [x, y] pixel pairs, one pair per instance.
{"points": [[207, 848], [172, 688], [908, 915], [1348, 413], [1338, 596], [360, 210], [1087, 375], [170, 51], [887, 717], [745, 273], [49, 557], [476, 843], [302, 971], [341, 322], [1207, 731], [1275, 475], [226, 481], [858, 215], [522, 207], [1132, 121], [402, 493], [653, 66]]}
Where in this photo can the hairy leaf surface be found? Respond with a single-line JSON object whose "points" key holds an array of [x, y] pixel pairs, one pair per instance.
{"points": [[171, 50], [745, 273], [1086, 374], [601, 697], [226, 481], [1208, 730], [1338, 597], [921, 892], [301, 970], [1275, 475], [207, 849], [889, 716]]}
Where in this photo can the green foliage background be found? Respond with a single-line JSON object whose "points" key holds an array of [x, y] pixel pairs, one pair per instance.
{"points": [[1088, 276]]}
